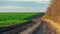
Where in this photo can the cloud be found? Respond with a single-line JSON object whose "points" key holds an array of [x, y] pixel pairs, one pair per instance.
{"points": [[23, 5], [19, 8], [24, 0], [37, 1], [6, 7]]}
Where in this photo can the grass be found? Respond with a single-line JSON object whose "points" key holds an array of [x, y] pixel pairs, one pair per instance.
{"points": [[11, 22], [11, 18]]}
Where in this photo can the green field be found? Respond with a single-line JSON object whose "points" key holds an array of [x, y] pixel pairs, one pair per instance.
{"points": [[10, 18]]}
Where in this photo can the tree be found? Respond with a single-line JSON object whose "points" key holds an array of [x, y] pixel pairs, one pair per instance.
{"points": [[52, 15]]}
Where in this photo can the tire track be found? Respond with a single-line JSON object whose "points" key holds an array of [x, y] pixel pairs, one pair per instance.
{"points": [[40, 29]]}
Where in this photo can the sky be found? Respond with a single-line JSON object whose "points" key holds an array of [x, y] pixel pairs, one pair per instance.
{"points": [[23, 5]]}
